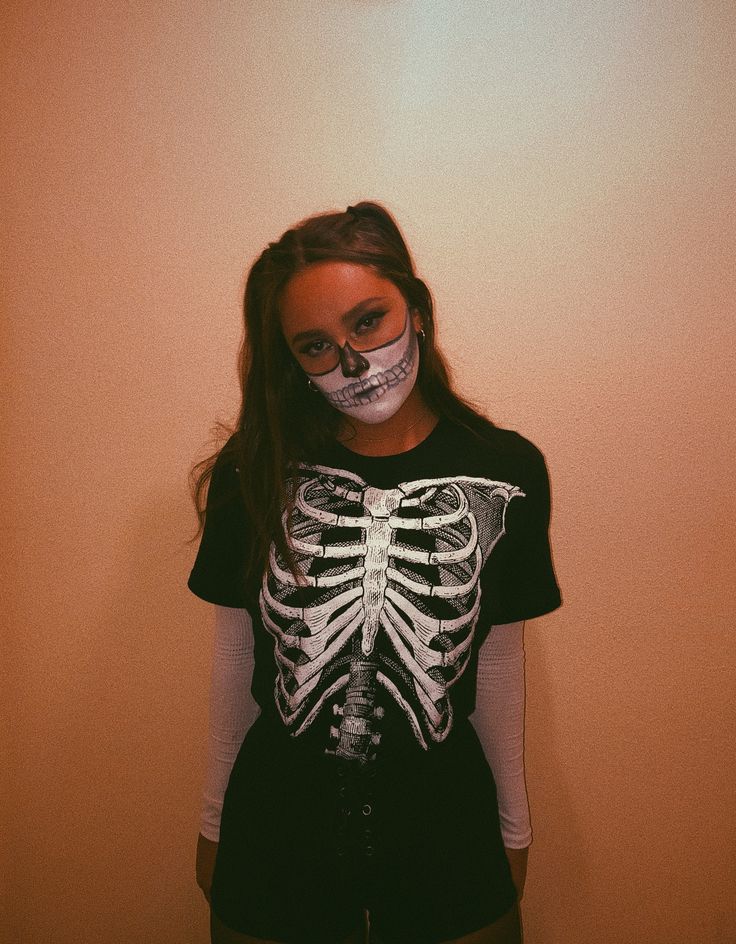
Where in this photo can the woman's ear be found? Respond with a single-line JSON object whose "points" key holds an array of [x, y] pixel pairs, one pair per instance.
{"points": [[416, 319]]}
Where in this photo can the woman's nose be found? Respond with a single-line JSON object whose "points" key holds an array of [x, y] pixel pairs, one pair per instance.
{"points": [[352, 362]]}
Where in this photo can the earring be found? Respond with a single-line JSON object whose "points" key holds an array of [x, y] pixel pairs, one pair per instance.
{"points": [[311, 387], [421, 335]]}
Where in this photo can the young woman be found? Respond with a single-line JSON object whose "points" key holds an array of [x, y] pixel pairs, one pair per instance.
{"points": [[373, 545]]}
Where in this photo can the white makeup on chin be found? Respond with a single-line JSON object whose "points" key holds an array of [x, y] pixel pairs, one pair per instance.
{"points": [[383, 389]]}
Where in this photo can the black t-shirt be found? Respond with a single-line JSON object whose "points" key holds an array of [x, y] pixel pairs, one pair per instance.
{"points": [[410, 559]]}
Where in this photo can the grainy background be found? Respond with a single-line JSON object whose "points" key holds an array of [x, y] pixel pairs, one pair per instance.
{"points": [[565, 175]]}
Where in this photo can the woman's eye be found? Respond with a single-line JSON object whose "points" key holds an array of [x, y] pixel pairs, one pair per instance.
{"points": [[315, 348], [370, 321]]}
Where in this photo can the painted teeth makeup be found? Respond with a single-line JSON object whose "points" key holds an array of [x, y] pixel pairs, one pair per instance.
{"points": [[377, 395]]}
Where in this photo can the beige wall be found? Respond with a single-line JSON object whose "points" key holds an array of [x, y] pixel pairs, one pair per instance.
{"points": [[565, 174]]}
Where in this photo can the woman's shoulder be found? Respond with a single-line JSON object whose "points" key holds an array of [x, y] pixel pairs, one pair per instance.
{"points": [[498, 443]]}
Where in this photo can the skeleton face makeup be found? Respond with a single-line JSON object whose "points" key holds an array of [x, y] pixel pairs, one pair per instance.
{"points": [[382, 390]]}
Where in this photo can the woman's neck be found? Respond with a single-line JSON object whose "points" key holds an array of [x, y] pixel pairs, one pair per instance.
{"points": [[401, 432]]}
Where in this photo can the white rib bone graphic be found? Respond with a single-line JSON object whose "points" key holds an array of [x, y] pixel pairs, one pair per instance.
{"points": [[391, 579]]}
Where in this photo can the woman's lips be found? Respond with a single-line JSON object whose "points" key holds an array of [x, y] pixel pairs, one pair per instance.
{"points": [[366, 392]]}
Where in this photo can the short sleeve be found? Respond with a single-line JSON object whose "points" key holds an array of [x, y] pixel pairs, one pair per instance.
{"points": [[218, 575], [520, 582]]}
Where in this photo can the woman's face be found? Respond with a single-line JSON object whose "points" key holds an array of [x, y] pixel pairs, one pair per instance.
{"points": [[351, 331]]}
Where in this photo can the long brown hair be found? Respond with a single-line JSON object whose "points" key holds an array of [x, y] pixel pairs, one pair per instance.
{"points": [[280, 422]]}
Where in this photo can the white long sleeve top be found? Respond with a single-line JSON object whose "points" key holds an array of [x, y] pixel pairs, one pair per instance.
{"points": [[498, 718]]}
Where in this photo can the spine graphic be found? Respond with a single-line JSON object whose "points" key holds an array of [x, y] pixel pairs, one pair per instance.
{"points": [[356, 736]]}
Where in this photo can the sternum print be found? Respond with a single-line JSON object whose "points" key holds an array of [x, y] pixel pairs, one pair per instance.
{"points": [[379, 504]]}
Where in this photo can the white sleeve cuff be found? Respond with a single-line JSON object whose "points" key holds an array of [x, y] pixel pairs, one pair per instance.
{"points": [[232, 708], [499, 723]]}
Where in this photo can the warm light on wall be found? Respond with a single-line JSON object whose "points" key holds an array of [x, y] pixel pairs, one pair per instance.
{"points": [[564, 173]]}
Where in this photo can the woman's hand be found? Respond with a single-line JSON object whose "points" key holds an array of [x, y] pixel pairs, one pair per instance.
{"points": [[206, 853], [517, 863]]}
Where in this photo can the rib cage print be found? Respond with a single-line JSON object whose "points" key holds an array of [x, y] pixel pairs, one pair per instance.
{"points": [[389, 599]]}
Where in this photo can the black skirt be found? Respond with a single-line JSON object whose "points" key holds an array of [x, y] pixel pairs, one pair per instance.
{"points": [[308, 841]]}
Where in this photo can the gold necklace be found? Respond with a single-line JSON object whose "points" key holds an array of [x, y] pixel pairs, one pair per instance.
{"points": [[394, 435]]}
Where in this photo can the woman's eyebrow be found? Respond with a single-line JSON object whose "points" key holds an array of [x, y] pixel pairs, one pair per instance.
{"points": [[355, 310]]}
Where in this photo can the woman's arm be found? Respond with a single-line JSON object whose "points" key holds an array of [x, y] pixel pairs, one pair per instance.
{"points": [[499, 722], [232, 711], [232, 708]]}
